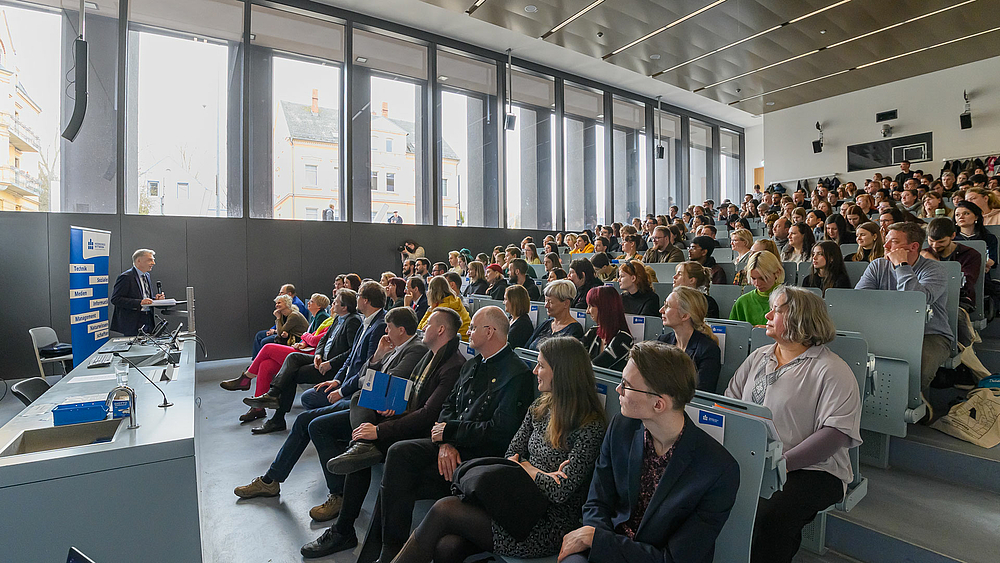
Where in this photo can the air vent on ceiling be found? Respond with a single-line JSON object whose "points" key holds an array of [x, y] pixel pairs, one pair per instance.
{"points": [[885, 116]]}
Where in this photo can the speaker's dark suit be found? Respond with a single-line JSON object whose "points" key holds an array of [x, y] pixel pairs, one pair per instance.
{"points": [[127, 298]]}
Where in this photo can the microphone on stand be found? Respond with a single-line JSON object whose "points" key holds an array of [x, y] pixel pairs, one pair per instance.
{"points": [[165, 403]]}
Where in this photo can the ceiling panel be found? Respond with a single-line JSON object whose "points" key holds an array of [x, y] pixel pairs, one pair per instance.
{"points": [[615, 23]]}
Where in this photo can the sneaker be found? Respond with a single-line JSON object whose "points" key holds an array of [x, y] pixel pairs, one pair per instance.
{"points": [[258, 488], [265, 401], [359, 456], [241, 383], [331, 541], [328, 510]]}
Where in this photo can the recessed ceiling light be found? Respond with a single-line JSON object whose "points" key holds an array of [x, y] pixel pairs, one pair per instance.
{"points": [[531, 8], [769, 104], [654, 57], [361, 60], [822, 31], [253, 36]]}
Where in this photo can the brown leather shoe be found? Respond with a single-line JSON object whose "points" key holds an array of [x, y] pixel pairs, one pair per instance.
{"points": [[241, 383], [328, 510], [253, 414], [258, 488]]}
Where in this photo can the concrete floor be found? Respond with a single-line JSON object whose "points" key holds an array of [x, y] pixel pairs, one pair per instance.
{"points": [[263, 530]]}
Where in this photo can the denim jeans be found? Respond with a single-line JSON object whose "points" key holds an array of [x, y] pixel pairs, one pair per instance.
{"points": [[329, 429]]}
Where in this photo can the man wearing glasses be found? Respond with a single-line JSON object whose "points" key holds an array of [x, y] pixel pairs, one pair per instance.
{"points": [[478, 419], [663, 249], [627, 517]]}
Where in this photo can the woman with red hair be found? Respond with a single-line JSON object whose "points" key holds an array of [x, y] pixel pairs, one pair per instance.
{"points": [[609, 341]]}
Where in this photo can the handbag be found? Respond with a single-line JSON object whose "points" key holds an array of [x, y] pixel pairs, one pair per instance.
{"points": [[502, 488], [976, 420]]}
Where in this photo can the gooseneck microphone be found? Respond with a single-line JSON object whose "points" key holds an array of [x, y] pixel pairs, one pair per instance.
{"points": [[165, 403]]}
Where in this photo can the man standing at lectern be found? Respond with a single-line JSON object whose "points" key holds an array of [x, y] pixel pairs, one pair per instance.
{"points": [[133, 295]]}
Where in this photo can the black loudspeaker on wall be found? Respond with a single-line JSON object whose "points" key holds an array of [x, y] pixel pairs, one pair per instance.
{"points": [[817, 146], [966, 120]]}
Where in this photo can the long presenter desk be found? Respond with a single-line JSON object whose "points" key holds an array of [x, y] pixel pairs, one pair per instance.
{"points": [[133, 498]]}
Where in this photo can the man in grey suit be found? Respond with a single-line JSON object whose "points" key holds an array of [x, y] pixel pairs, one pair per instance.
{"points": [[398, 352]]}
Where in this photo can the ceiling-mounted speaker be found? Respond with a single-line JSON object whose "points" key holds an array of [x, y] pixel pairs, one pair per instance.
{"points": [[818, 146], [660, 152], [80, 91], [966, 120], [509, 121]]}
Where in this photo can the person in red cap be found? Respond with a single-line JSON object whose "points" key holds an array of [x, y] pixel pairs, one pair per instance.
{"points": [[498, 284]]}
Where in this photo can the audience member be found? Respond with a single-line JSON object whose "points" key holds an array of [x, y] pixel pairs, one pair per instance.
{"points": [[768, 245], [556, 274], [987, 201], [942, 247], [692, 274], [395, 293], [609, 340], [663, 249], [517, 305], [477, 280], [453, 257], [455, 283], [740, 241], [519, 276], [556, 447], [933, 206], [423, 267], [371, 433], [828, 268], [630, 244], [870, 244], [816, 220], [440, 294], [800, 243], [603, 267], [969, 222], [836, 230], [816, 406], [904, 269], [626, 516], [581, 273], [684, 313], [559, 297], [498, 283], [583, 245], [552, 261], [265, 336], [531, 254], [780, 232], [438, 269], [352, 281], [289, 323], [478, 419], [766, 273], [638, 297], [700, 251], [410, 250], [415, 295]]}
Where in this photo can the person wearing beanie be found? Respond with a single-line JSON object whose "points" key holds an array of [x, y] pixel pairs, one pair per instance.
{"points": [[498, 284], [701, 252]]}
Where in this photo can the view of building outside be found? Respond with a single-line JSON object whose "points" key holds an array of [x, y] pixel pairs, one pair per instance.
{"points": [[29, 109]]}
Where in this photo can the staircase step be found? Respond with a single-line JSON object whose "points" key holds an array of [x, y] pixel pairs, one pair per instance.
{"points": [[916, 519], [928, 452]]}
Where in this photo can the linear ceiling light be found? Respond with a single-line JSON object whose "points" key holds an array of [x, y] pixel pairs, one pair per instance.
{"points": [[754, 36], [866, 65], [570, 20], [838, 44], [475, 6], [664, 28]]}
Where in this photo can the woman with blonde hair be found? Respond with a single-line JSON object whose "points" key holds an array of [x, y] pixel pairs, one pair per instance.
{"points": [[931, 203], [453, 261], [559, 296], [987, 201], [440, 294], [741, 240], [477, 279], [684, 311], [570, 241], [766, 273], [766, 244], [531, 254], [870, 243], [692, 274]]}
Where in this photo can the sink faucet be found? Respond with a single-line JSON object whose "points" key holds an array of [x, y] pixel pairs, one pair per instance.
{"points": [[109, 404]]}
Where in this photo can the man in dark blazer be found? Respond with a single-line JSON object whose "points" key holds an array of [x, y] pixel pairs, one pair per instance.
{"points": [[329, 427], [133, 294], [416, 295], [348, 366], [373, 433], [662, 488]]}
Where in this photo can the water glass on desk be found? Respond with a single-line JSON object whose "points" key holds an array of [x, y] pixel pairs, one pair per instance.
{"points": [[121, 371]]}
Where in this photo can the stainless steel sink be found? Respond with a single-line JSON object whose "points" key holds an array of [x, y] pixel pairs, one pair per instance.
{"points": [[58, 437]]}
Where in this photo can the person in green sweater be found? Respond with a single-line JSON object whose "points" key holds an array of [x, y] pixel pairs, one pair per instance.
{"points": [[765, 273]]}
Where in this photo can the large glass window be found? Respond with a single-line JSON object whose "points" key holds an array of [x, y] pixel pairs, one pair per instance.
{"points": [[179, 107], [630, 160], [391, 131], [530, 147], [301, 115], [701, 161], [583, 149], [667, 163], [729, 166], [469, 194]]}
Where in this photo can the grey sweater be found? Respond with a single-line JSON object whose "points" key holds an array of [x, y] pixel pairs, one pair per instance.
{"points": [[925, 275]]}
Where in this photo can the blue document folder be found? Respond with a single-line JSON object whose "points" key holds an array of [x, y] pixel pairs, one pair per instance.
{"points": [[383, 392]]}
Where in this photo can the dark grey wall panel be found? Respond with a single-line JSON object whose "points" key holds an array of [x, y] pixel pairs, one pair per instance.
{"points": [[326, 248], [24, 289], [273, 258], [217, 269], [58, 251], [165, 236]]}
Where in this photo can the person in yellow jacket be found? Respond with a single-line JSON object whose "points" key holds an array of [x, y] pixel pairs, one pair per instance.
{"points": [[439, 294], [583, 245]]}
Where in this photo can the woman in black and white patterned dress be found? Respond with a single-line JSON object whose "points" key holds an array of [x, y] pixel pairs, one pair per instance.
{"points": [[557, 445]]}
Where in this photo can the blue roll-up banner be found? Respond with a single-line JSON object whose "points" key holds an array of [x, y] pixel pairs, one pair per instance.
{"points": [[88, 290]]}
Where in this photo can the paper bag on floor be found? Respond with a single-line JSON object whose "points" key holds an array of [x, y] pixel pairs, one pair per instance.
{"points": [[977, 420]]}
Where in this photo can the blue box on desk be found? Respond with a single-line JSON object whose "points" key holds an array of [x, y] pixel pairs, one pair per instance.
{"points": [[90, 411]]}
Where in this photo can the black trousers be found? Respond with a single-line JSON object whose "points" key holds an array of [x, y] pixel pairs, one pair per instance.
{"points": [[410, 474], [297, 368], [777, 530]]}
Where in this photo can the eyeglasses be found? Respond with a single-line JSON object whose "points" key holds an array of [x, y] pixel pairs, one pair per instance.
{"points": [[625, 387]]}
